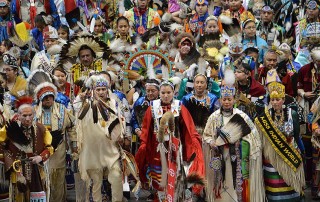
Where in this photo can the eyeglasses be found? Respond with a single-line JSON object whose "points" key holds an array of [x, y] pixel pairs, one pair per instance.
{"points": [[7, 70], [250, 28]]}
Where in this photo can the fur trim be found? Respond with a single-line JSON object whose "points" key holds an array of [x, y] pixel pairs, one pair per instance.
{"points": [[54, 49], [225, 19], [166, 17], [43, 85]]}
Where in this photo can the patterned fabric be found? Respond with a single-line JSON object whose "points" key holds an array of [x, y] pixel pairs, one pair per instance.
{"points": [[276, 188]]}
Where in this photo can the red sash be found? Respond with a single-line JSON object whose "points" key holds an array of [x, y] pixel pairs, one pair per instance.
{"points": [[172, 168]]}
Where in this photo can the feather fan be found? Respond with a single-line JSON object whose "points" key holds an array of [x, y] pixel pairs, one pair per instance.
{"points": [[235, 129]]}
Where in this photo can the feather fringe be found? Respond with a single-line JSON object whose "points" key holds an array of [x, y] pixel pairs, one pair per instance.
{"points": [[165, 72]]}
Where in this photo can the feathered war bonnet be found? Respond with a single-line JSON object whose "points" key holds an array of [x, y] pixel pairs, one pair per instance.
{"points": [[72, 47]]}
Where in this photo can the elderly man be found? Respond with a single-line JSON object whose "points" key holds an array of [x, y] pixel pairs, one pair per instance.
{"points": [[25, 145], [57, 119], [100, 130]]}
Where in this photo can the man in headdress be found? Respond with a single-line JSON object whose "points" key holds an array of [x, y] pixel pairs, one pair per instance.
{"points": [[57, 119], [266, 28], [26, 145], [142, 17], [308, 89], [48, 58], [100, 129], [87, 48]]}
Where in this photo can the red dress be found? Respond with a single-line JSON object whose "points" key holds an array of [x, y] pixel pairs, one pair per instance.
{"points": [[148, 158]]}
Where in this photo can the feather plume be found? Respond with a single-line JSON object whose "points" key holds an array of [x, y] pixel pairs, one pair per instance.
{"points": [[165, 72], [117, 46], [190, 71], [54, 49], [92, 24], [152, 41], [94, 107], [166, 17], [150, 72], [116, 67], [175, 80], [84, 29], [121, 7], [193, 4], [202, 66], [229, 77], [67, 66], [118, 57], [175, 26], [225, 20], [104, 64], [164, 45], [114, 77], [173, 52], [194, 179]]}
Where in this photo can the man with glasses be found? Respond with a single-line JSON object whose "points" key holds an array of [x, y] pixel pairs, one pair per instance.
{"points": [[266, 28]]}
